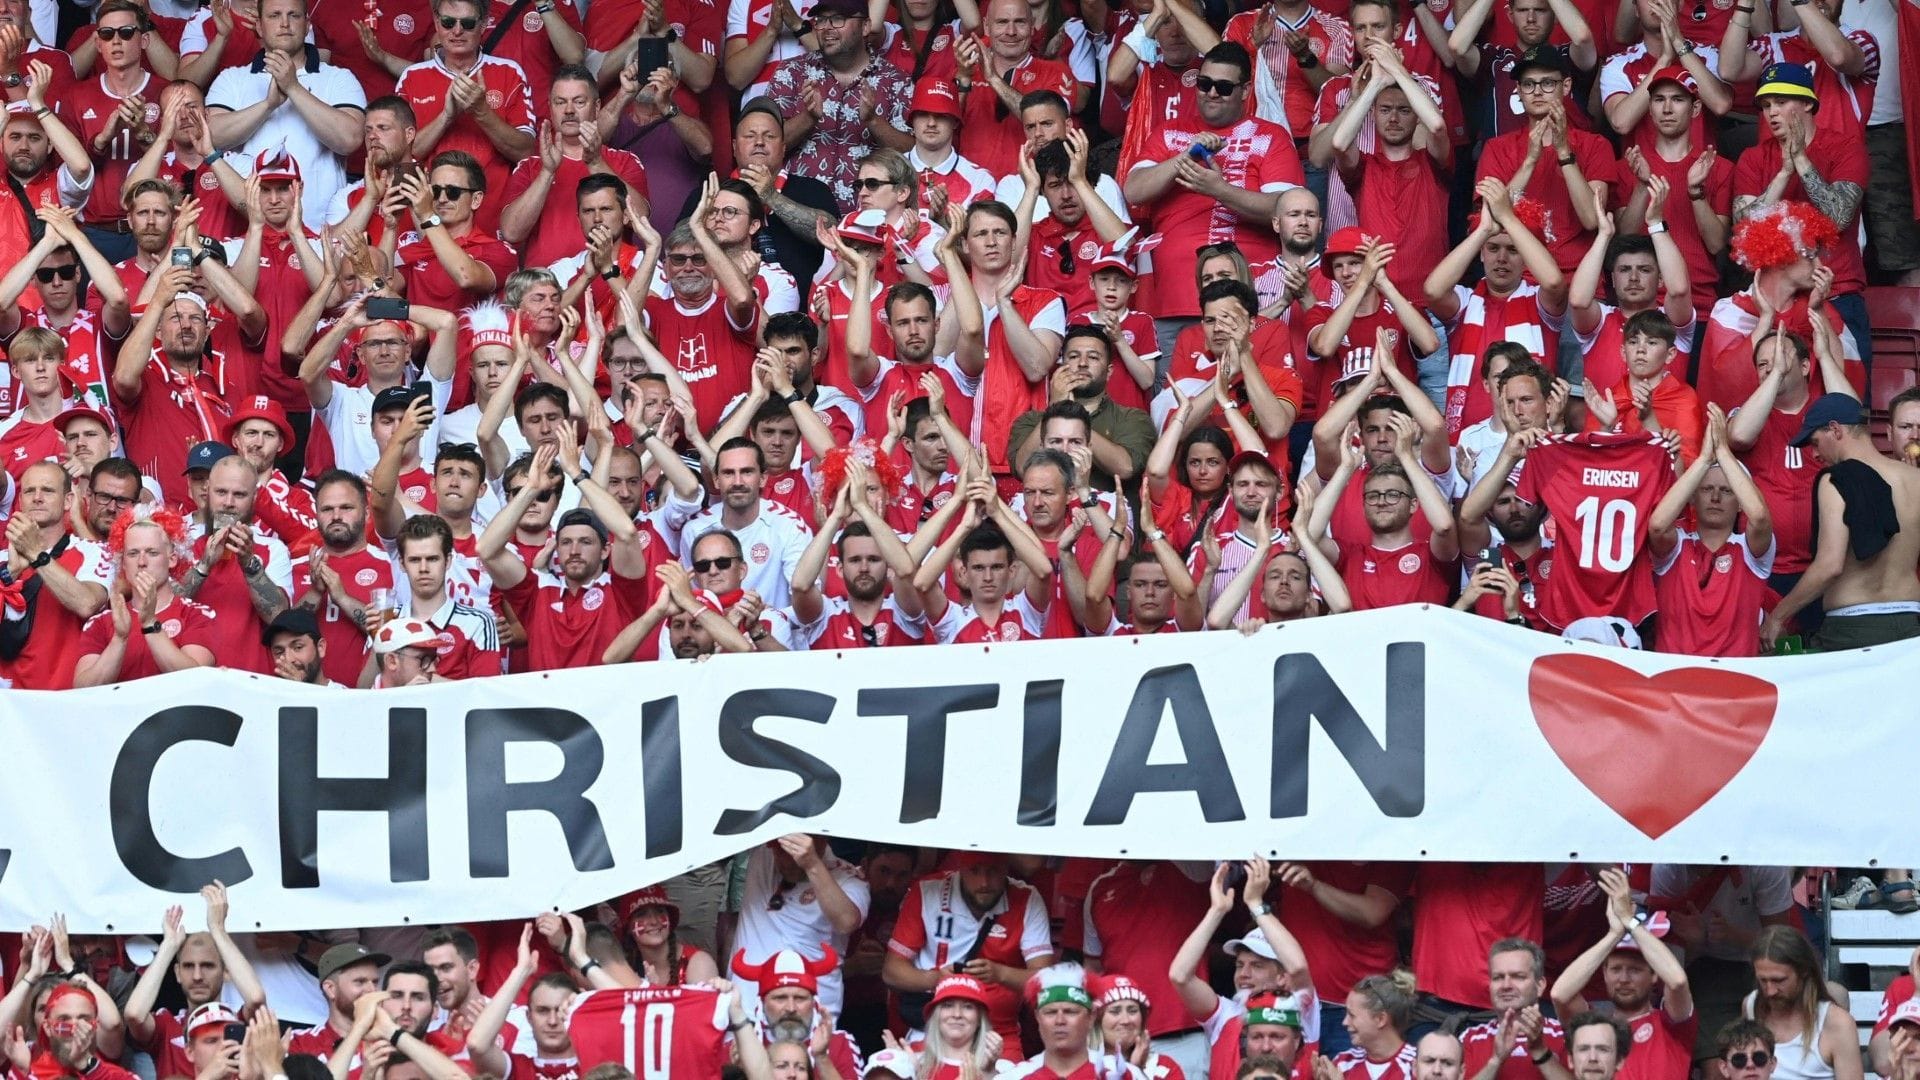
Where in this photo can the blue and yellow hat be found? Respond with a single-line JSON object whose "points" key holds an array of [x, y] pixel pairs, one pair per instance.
{"points": [[1787, 80]]}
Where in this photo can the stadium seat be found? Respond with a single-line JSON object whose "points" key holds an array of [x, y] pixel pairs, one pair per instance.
{"points": [[1867, 949], [1894, 315]]}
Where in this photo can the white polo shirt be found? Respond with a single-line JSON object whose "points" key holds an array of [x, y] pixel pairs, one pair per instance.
{"points": [[322, 172]]}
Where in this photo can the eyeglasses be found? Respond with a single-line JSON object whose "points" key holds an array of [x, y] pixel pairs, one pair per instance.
{"points": [[1539, 86], [383, 344], [546, 496], [872, 183], [1741, 1059], [46, 274], [723, 562], [687, 260], [779, 898], [448, 22], [450, 192], [625, 363], [124, 33], [833, 22], [1216, 87], [727, 213], [115, 500], [1387, 498]]}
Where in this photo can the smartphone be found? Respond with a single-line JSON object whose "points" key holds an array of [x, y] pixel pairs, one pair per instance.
{"points": [[387, 307], [182, 256], [1200, 153], [234, 1033], [421, 389], [1486, 558], [650, 55]]}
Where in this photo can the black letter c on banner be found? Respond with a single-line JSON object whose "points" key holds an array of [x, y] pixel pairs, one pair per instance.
{"points": [[131, 806]]}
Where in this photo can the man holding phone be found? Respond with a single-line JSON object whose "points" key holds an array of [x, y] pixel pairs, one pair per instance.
{"points": [[380, 329], [202, 964]]}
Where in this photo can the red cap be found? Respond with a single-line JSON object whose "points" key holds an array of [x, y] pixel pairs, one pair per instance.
{"points": [[262, 407], [958, 988], [1674, 73], [60, 422], [1250, 457], [651, 896], [1345, 241], [935, 95]]}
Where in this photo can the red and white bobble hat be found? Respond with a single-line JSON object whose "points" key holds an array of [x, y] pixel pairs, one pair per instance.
{"points": [[404, 634], [485, 323]]}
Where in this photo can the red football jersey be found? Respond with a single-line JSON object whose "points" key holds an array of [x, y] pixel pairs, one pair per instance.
{"points": [[1599, 490], [1355, 1064], [1711, 600], [655, 1031]]}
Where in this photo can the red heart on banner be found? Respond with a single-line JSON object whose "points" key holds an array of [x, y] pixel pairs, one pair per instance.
{"points": [[1654, 749]]}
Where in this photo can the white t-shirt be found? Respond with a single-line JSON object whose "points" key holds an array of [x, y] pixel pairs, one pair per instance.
{"points": [[799, 924], [772, 543], [322, 172]]}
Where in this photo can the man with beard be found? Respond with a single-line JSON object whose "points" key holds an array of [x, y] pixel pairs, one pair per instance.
{"points": [[1532, 398], [33, 135], [973, 920], [112, 485], [544, 228], [840, 102], [150, 216], [244, 575], [56, 581], [1399, 183], [411, 992], [295, 648], [872, 613], [341, 574], [171, 388], [796, 204], [912, 318], [259, 433], [388, 1029], [70, 1024], [1514, 570], [347, 972], [202, 964], [454, 956], [713, 316], [1063, 1011], [572, 610], [1254, 486], [1118, 438], [789, 1009], [1391, 565], [1295, 278], [771, 537], [1662, 1034], [388, 132]]}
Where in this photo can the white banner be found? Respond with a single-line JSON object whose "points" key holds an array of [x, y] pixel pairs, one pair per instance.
{"points": [[1404, 734]]}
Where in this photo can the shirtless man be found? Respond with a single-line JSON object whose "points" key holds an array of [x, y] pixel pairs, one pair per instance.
{"points": [[1866, 580]]}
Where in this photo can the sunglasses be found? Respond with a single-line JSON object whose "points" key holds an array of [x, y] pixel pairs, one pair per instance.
{"points": [[686, 260], [460, 447], [1216, 87], [724, 562], [779, 898], [450, 192], [1066, 259], [872, 183], [546, 496], [46, 274], [1758, 1059], [124, 33], [448, 22]]}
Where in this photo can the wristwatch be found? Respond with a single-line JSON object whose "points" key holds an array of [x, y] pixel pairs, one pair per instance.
{"points": [[252, 564], [611, 273], [1542, 1059], [1655, 228], [1154, 536], [1261, 908], [1089, 500], [429, 222], [151, 628], [544, 6], [41, 560], [13, 81], [794, 398]]}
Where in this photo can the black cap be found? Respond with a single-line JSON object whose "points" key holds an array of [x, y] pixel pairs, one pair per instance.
{"points": [[837, 7], [393, 397], [580, 515], [294, 620], [1829, 409], [761, 104], [202, 455], [1540, 57]]}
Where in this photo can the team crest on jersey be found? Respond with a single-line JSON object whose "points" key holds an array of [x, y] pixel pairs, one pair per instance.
{"points": [[1188, 77], [593, 599], [293, 261], [531, 22], [403, 23], [783, 486], [1545, 568], [366, 577], [495, 99], [644, 539], [940, 498], [1723, 563], [417, 492], [172, 627], [153, 112], [208, 181], [759, 553], [1089, 249], [1409, 563], [941, 42], [446, 643], [1644, 1033], [1010, 632]]}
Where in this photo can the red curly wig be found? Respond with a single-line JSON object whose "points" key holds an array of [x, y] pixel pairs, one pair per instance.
{"points": [[165, 518], [1781, 234], [833, 468]]}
